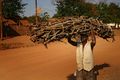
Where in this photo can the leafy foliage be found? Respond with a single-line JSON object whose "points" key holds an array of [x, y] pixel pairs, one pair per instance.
{"points": [[31, 19], [45, 16], [106, 12], [13, 9], [102, 9], [70, 8], [114, 12]]}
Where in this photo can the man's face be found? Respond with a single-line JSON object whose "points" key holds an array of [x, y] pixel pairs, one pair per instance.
{"points": [[89, 38], [77, 37]]}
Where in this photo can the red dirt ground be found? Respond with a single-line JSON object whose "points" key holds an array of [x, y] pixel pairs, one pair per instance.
{"points": [[57, 62]]}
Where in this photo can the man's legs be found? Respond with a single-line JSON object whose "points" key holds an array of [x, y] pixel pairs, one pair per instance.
{"points": [[86, 75], [90, 75], [80, 75]]}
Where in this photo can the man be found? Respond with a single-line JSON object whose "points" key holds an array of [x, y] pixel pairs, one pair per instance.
{"points": [[84, 56]]}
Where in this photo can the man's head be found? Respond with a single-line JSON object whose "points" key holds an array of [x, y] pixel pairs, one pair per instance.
{"points": [[81, 38]]}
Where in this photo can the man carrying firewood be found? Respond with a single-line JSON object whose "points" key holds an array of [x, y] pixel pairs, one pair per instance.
{"points": [[85, 29], [84, 56]]}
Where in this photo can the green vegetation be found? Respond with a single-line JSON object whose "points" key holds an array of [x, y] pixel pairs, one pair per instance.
{"points": [[31, 19], [43, 17], [13, 9], [104, 11]]}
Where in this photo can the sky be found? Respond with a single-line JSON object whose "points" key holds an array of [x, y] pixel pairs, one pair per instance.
{"points": [[47, 6]]}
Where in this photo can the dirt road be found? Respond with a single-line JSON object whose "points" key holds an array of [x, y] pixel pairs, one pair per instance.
{"points": [[57, 62]]}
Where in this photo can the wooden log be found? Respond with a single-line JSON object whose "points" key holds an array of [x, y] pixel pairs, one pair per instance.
{"points": [[70, 26]]}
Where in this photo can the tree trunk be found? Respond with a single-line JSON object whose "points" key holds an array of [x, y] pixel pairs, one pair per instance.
{"points": [[36, 17], [1, 25]]}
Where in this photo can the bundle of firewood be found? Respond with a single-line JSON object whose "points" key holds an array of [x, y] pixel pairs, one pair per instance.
{"points": [[48, 32]]}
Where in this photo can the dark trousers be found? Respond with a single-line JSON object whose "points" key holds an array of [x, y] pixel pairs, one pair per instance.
{"points": [[86, 75]]}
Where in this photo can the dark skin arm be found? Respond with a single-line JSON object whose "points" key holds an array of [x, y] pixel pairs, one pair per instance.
{"points": [[71, 41], [93, 38], [92, 35]]}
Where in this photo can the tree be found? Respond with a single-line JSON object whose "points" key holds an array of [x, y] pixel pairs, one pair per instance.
{"points": [[45, 16], [75, 8], [114, 12], [13, 9], [103, 13], [70, 7], [31, 19], [1, 26]]}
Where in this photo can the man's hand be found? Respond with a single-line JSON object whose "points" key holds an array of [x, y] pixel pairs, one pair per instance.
{"points": [[93, 37]]}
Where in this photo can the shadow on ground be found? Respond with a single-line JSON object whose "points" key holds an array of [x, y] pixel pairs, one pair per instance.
{"points": [[96, 70]]}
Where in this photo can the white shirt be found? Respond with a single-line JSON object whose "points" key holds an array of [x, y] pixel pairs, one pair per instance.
{"points": [[84, 57]]}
